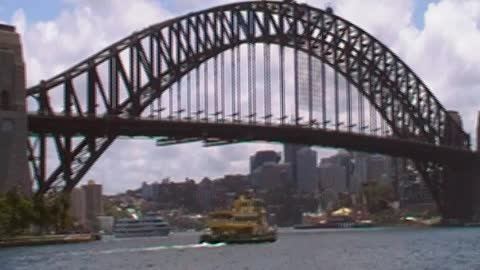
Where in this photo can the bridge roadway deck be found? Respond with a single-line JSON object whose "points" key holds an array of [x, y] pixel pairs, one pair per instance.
{"points": [[243, 131]]}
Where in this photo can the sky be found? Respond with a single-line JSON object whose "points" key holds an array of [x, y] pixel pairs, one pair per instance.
{"points": [[438, 39]]}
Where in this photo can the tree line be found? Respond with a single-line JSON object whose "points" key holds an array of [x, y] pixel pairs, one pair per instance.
{"points": [[20, 214]]}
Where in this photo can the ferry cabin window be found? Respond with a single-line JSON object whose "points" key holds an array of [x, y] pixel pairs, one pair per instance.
{"points": [[246, 218], [4, 100], [220, 216]]}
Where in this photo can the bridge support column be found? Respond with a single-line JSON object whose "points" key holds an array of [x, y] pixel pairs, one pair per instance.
{"points": [[14, 171], [462, 192]]}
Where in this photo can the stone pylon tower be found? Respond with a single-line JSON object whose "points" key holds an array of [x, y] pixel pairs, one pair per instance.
{"points": [[14, 170], [478, 132]]}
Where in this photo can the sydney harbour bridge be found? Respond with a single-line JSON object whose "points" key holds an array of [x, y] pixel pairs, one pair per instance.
{"points": [[250, 71]]}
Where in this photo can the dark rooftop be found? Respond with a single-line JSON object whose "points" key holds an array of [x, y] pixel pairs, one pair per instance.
{"points": [[6, 27]]}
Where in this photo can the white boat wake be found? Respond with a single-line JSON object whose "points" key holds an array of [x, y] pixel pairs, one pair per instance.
{"points": [[157, 248]]}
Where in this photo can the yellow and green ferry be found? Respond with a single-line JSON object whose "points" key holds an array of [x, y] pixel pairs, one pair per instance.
{"points": [[246, 222]]}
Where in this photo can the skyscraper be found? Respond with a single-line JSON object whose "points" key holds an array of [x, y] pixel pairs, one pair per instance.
{"points": [[262, 157], [333, 177], [290, 156], [14, 171], [271, 175], [205, 194], [307, 174]]}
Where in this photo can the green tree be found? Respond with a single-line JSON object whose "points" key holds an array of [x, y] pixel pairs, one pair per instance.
{"points": [[42, 215], [378, 196], [58, 217], [16, 213], [4, 215]]}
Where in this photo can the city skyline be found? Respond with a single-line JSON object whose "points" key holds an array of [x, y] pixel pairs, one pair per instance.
{"points": [[418, 27]]}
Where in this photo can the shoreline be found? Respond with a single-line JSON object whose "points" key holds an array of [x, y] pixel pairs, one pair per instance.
{"points": [[56, 239], [31, 240]]}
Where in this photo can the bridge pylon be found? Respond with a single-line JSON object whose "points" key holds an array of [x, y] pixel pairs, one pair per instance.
{"points": [[14, 172], [461, 201], [460, 179]]}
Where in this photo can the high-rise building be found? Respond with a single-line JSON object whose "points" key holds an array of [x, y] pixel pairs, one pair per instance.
{"points": [[333, 177], [271, 175], [356, 169], [290, 152], [262, 157], [205, 192], [77, 206], [307, 174], [377, 168], [290, 156], [147, 191], [151, 192], [360, 170], [14, 172], [93, 204], [335, 173]]}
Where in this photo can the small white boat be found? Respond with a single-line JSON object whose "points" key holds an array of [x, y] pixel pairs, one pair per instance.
{"points": [[142, 227]]}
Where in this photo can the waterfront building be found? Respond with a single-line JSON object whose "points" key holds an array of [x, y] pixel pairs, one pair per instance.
{"points": [[93, 204], [14, 171], [77, 206]]}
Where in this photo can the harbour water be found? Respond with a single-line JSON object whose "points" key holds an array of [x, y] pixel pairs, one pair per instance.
{"points": [[375, 248]]}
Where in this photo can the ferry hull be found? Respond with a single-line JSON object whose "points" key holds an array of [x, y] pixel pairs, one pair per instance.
{"points": [[164, 232], [231, 239], [332, 226]]}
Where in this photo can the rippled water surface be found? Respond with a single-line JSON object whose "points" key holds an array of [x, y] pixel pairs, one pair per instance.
{"points": [[382, 248]]}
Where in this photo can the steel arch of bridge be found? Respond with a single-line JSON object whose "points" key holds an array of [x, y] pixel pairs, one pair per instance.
{"points": [[180, 45]]}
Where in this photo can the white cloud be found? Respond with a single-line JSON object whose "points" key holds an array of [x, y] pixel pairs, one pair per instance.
{"points": [[444, 54], [81, 30]]}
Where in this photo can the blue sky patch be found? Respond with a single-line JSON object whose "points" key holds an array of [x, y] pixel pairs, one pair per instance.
{"points": [[41, 10]]}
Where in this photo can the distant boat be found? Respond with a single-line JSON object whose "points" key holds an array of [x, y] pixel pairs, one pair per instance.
{"points": [[342, 218], [147, 226]]}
